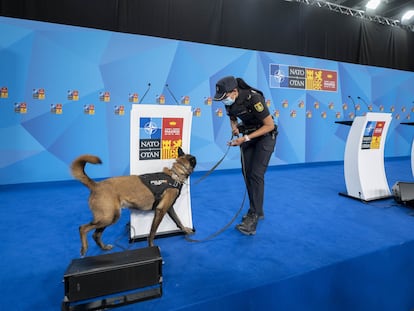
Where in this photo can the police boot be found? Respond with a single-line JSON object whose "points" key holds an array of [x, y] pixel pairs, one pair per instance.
{"points": [[248, 225], [260, 217]]}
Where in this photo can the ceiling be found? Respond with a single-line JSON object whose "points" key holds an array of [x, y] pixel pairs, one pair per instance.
{"points": [[392, 9]]}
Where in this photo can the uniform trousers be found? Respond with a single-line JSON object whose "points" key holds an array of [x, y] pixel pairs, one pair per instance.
{"points": [[255, 157]]}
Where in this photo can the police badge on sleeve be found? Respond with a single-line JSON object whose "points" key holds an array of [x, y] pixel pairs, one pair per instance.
{"points": [[259, 107]]}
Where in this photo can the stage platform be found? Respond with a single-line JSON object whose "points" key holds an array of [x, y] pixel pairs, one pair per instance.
{"points": [[315, 250]]}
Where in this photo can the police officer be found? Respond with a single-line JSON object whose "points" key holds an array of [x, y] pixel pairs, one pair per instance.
{"points": [[244, 103]]}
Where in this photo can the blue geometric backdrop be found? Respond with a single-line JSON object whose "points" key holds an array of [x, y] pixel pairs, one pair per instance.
{"points": [[41, 133]]}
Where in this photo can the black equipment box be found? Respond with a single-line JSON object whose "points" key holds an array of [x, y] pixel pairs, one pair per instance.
{"points": [[138, 272], [404, 193]]}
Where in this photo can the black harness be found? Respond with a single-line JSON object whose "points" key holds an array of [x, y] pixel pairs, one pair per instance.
{"points": [[158, 183]]}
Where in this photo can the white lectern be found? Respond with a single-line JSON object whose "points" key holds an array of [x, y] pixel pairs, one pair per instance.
{"points": [[412, 148], [364, 169], [156, 133]]}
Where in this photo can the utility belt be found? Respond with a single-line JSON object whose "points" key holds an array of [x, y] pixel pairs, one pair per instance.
{"points": [[246, 130]]}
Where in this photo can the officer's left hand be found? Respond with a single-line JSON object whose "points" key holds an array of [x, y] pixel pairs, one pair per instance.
{"points": [[236, 142]]}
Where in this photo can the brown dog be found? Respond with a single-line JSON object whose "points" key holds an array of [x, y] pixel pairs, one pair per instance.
{"points": [[107, 197]]}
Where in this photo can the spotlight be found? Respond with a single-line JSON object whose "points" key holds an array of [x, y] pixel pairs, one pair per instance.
{"points": [[372, 4], [407, 17]]}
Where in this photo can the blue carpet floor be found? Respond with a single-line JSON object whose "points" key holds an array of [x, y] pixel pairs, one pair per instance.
{"points": [[315, 249]]}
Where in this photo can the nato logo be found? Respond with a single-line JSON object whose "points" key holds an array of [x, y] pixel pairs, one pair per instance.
{"points": [[150, 128], [278, 76], [369, 129]]}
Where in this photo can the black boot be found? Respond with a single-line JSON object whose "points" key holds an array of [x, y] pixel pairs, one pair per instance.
{"points": [[248, 225], [260, 217]]}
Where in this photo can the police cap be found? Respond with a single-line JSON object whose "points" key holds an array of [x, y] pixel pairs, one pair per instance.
{"points": [[223, 86]]}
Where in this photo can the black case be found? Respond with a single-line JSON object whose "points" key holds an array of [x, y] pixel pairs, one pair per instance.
{"points": [[97, 276]]}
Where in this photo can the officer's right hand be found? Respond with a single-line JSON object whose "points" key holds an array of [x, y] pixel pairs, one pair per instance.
{"points": [[235, 131]]}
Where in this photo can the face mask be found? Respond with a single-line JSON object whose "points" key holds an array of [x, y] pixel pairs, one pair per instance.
{"points": [[228, 101]]}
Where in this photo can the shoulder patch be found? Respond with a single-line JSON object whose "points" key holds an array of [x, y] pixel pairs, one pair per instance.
{"points": [[259, 107]]}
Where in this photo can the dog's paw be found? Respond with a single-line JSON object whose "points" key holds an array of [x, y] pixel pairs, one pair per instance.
{"points": [[83, 252], [188, 230], [107, 247]]}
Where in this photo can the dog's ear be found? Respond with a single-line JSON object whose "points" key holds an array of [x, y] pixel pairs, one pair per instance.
{"points": [[193, 161], [180, 152]]}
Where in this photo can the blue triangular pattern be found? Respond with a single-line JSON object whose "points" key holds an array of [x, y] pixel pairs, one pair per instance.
{"points": [[64, 58]]}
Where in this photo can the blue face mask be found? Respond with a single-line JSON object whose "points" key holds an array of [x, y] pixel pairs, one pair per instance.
{"points": [[228, 101]]}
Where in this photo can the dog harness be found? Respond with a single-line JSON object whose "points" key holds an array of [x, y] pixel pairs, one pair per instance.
{"points": [[158, 183]]}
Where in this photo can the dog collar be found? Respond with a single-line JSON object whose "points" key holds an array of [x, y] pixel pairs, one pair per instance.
{"points": [[176, 177]]}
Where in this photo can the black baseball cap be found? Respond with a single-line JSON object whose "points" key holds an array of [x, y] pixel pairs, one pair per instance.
{"points": [[223, 86]]}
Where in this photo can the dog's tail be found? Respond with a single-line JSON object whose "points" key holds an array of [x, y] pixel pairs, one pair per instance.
{"points": [[78, 169]]}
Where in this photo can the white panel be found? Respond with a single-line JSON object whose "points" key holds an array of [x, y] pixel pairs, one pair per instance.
{"points": [[141, 221]]}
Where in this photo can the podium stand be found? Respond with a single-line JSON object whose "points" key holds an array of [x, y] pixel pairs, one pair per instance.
{"points": [[412, 148], [156, 133], [364, 170]]}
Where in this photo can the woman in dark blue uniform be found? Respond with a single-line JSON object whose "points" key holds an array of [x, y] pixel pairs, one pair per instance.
{"points": [[247, 104]]}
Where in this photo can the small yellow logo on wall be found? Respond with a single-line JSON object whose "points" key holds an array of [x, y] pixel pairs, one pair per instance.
{"points": [[259, 107]]}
